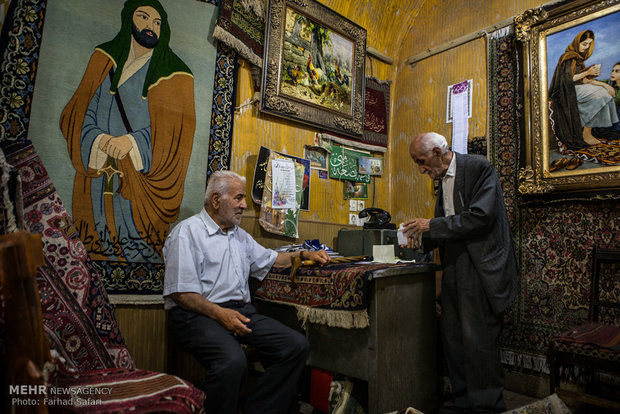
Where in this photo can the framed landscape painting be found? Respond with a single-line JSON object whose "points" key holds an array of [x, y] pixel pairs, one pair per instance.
{"points": [[314, 67]]}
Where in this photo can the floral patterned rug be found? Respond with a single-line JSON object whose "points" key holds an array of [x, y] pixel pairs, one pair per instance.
{"points": [[335, 295], [554, 240], [77, 315]]}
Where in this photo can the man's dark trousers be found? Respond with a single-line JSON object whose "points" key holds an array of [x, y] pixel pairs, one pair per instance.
{"points": [[470, 333], [281, 350]]}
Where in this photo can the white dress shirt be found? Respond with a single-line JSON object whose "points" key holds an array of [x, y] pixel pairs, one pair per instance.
{"points": [[201, 258], [447, 183]]}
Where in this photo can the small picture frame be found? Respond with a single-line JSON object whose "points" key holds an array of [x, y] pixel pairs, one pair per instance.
{"points": [[317, 157], [355, 190], [371, 165]]}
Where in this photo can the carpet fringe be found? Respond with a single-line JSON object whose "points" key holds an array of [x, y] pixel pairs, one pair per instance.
{"points": [[333, 318], [136, 299], [237, 45], [350, 143], [531, 362], [14, 211], [255, 6]]}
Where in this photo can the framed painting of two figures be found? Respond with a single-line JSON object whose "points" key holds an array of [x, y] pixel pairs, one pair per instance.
{"points": [[573, 116]]}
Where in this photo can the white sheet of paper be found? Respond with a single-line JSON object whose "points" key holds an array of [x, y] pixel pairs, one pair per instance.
{"points": [[283, 184], [460, 124], [384, 253]]}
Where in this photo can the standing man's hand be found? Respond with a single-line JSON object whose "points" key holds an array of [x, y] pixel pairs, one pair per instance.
{"points": [[413, 229]]}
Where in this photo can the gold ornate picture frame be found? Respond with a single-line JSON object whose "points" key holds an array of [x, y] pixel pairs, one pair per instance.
{"points": [[314, 67], [557, 161]]}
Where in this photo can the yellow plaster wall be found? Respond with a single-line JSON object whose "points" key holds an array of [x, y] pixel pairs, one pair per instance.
{"points": [[419, 104], [399, 29], [253, 129]]}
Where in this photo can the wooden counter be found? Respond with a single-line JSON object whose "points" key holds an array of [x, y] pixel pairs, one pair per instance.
{"points": [[396, 354]]}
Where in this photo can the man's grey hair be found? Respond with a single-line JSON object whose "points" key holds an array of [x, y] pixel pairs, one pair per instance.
{"points": [[430, 140], [220, 183]]}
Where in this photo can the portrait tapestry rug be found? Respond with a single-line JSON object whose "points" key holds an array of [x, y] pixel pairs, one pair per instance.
{"points": [[161, 180]]}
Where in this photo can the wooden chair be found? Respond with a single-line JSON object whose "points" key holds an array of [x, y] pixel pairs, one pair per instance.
{"points": [[109, 390], [593, 346], [26, 346]]}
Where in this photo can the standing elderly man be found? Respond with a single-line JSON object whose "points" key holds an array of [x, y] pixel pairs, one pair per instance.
{"points": [[208, 262], [472, 233]]}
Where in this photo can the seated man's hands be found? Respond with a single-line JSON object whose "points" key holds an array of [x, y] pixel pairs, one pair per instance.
{"points": [[319, 256], [230, 319], [233, 321]]}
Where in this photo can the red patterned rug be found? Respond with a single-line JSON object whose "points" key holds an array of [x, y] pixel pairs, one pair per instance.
{"points": [[77, 316], [119, 390], [595, 334], [336, 295]]}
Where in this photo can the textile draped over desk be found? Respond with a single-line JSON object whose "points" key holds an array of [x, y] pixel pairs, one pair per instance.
{"points": [[335, 295]]}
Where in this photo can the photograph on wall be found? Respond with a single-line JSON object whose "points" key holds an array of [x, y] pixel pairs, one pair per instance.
{"points": [[317, 156], [371, 165], [355, 190]]}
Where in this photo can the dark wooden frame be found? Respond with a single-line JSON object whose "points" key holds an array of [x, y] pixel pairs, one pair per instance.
{"points": [[273, 101]]}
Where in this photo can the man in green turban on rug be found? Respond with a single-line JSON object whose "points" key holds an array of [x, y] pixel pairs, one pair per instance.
{"points": [[129, 129]]}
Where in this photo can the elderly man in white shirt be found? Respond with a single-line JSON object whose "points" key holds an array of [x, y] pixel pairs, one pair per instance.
{"points": [[209, 260]]}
